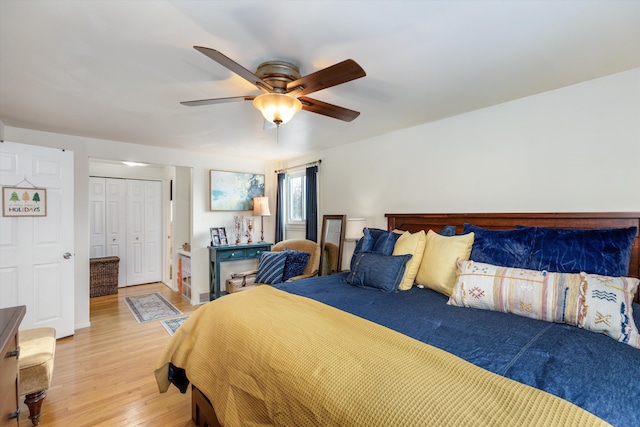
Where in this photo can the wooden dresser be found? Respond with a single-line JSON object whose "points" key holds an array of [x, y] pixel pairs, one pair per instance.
{"points": [[10, 319]]}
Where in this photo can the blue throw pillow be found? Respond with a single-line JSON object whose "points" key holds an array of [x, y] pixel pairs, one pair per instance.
{"points": [[271, 267], [448, 231], [295, 264], [604, 251], [374, 270], [386, 242], [505, 248], [369, 238]]}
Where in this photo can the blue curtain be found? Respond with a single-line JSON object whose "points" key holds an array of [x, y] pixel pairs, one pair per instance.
{"points": [[312, 203], [280, 209]]}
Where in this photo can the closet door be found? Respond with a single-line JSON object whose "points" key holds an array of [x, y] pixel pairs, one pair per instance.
{"points": [[144, 227], [97, 221], [116, 224]]}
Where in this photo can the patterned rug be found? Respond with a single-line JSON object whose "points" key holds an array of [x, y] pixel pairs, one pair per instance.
{"points": [[150, 307], [171, 325]]}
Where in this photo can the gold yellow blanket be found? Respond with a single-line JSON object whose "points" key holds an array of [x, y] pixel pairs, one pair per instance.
{"points": [[266, 357]]}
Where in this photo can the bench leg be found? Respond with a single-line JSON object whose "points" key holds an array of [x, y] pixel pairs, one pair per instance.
{"points": [[34, 402]]}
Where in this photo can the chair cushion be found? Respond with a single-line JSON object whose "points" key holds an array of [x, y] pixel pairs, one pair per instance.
{"points": [[37, 350]]}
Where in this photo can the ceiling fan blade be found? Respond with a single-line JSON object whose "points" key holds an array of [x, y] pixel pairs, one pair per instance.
{"points": [[217, 101], [327, 109], [342, 72], [235, 67]]}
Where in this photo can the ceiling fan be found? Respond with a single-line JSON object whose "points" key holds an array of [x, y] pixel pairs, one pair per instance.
{"points": [[284, 89]]}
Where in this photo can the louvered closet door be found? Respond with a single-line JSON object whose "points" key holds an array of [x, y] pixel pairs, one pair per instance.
{"points": [[144, 221]]}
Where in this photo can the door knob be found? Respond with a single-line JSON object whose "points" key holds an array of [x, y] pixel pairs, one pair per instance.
{"points": [[66, 255]]}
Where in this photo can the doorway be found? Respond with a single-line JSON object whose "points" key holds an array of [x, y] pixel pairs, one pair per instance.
{"points": [[175, 208]]}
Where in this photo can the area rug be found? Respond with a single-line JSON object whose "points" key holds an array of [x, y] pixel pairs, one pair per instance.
{"points": [[171, 325], [150, 307]]}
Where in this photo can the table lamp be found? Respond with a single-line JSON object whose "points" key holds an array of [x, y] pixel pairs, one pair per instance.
{"points": [[261, 209], [354, 229]]}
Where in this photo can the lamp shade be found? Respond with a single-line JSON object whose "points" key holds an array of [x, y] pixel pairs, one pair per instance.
{"points": [[354, 230], [261, 206], [277, 107]]}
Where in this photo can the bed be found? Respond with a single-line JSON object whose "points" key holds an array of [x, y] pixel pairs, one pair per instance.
{"points": [[328, 353]]}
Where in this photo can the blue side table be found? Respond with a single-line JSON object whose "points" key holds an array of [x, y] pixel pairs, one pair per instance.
{"points": [[220, 254]]}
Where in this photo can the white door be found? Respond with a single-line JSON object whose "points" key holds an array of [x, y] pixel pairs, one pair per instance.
{"points": [[144, 230], [153, 231], [37, 253], [116, 224], [97, 219]]}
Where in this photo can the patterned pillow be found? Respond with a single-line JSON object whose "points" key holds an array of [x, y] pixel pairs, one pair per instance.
{"points": [[271, 267], [295, 264], [589, 301]]}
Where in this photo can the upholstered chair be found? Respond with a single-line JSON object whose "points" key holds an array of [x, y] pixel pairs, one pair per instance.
{"points": [[309, 246], [247, 279]]}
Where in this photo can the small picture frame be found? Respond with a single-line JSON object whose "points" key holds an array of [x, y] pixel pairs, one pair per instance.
{"points": [[222, 232], [215, 236]]}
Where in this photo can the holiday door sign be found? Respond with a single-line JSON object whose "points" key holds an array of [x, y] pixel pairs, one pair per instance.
{"points": [[24, 201]]}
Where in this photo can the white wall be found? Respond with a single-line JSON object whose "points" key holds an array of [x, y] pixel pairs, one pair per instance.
{"points": [[572, 149], [202, 219]]}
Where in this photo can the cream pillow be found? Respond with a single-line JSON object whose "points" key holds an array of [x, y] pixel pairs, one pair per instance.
{"points": [[412, 244], [597, 303], [438, 267]]}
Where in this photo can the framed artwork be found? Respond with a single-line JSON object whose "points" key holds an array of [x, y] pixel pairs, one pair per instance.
{"points": [[234, 191], [17, 201], [215, 236]]}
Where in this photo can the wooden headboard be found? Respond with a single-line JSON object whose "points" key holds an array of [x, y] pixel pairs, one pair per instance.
{"points": [[506, 221]]}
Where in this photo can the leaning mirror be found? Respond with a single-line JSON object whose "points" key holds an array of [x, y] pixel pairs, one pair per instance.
{"points": [[331, 240]]}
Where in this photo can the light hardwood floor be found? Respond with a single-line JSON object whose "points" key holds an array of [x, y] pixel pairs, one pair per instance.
{"points": [[103, 375]]}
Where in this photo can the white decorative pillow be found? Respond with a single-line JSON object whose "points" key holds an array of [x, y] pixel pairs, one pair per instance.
{"points": [[589, 301]]}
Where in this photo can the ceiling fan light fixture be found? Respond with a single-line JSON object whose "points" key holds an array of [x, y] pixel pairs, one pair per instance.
{"points": [[277, 108]]}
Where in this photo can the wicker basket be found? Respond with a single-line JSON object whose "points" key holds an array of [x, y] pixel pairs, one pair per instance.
{"points": [[104, 276]]}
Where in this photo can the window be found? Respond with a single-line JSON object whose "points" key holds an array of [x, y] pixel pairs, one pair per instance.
{"points": [[296, 197]]}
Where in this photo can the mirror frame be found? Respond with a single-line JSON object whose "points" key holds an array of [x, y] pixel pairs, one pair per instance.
{"points": [[323, 237]]}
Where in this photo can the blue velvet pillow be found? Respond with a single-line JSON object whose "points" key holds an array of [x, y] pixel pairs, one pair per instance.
{"points": [[295, 263], [505, 248], [374, 270], [604, 251], [448, 231], [271, 267]]}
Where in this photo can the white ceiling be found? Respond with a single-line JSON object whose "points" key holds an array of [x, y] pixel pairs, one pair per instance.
{"points": [[117, 70]]}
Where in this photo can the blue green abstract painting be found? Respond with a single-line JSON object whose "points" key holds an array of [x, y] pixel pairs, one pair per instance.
{"points": [[234, 191]]}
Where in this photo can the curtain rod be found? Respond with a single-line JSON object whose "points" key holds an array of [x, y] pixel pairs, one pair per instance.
{"points": [[317, 162]]}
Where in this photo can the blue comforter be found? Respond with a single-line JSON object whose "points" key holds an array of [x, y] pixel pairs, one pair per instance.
{"points": [[590, 370]]}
